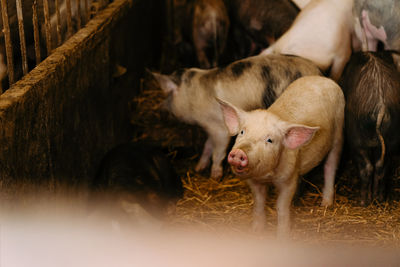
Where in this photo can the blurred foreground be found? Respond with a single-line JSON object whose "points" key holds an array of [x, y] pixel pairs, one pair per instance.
{"points": [[57, 238]]}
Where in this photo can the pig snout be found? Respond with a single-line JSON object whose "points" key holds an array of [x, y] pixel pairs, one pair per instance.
{"points": [[237, 158]]}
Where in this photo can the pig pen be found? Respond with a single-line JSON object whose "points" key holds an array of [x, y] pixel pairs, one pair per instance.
{"points": [[61, 118]]}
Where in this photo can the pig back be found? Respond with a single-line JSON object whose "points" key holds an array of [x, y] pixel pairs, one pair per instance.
{"points": [[251, 83], [317, 102], [256, 82]]}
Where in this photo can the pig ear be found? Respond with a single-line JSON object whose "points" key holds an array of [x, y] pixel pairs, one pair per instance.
{"points": [[297, 135], [166, 83], [231, 116]]}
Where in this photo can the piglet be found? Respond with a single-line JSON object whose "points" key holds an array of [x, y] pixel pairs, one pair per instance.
{"points": [[251, 83], [210, 31], [371, 85], [302, 127], [201, 29], [255, 24], [137, 182]]}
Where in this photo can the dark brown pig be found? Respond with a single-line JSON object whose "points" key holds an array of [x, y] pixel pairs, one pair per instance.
{"points": [[202, 25], [210, 31], [250, 83], [371, 85], [256, 24], [302, 127]]}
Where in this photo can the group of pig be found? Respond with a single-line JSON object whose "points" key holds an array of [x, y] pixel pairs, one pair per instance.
{"points": [[286, 116], [209, 33]]}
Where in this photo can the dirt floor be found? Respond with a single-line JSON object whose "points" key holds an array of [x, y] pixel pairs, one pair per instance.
{"points": [[227, 203]]}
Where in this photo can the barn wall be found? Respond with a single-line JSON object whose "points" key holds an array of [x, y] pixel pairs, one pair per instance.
{"points": [[58, 121]]}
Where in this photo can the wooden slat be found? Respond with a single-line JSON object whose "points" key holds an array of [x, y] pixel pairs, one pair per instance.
{"points": [[47, 26], [78, 14], [87, 11], [69, 18], [7, 37], [36, 31], [58, 23], [22, 37]]}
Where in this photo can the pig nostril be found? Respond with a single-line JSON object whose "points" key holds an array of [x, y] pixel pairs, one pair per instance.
{"points": [[242, 158]]}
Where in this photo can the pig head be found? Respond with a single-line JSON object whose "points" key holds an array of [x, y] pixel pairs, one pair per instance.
{"points": [[265, 150]]}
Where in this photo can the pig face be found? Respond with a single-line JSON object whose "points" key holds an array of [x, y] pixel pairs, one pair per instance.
{"points": [[262, 138], [171, 86]]}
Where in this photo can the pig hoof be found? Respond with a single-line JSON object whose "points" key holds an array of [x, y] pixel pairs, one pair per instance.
{"points": [[200, 166], [216, 173], [258, 227], [326, 202], [364, 202]]}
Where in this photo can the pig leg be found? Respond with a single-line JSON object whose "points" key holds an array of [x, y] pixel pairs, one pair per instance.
{"points": [[330, 167], [220, 140], [379, 174], [379, 186], [365, 167], [285, 196], [205, 156], [201, 55], [337, 67], [259, 195], [339, 61], [268, 51]]}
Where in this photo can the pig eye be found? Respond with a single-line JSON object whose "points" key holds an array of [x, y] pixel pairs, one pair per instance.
{"points": [[269, 140], [242, 132]]}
